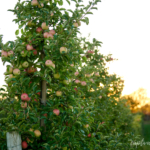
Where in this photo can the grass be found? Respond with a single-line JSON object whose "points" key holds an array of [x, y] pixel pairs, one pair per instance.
{"points": [[146, 133]]}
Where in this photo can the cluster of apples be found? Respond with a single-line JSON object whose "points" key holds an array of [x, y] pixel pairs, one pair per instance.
{"points": [[37, 134], [83, 83], [30, 70], [6, 54], [12, 72], [25, 98], [36, 3], [48, 34]]}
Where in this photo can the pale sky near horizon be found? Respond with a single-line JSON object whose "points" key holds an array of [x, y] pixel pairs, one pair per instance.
{"points": [[124, 28]]}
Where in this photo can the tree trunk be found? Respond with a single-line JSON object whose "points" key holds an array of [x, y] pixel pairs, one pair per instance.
{"points": [[13, 141]]}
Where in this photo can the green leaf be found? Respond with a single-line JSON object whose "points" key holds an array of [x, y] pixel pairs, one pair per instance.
{"points": [[94, 8], [68, 2], [1, 89], [62, 9], [17, 32], [86, 20], [89, 13], [70, 10], [60, 2], [22, 31]]}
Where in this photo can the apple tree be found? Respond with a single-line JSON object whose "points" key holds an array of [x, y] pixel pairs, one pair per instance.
{"points": [[59, 93]]}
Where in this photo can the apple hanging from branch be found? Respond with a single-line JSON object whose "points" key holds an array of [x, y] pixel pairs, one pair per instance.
{"points": [[44, 26], [34, 2], [24, 145], [56, 111], [10, 53], [37, 133], [63, 50], [16, 72]]}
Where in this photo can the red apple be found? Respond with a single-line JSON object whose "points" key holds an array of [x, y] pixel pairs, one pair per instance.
{"points": [[28, 99], [90, 51], [24, 105], [59, 93], [39, 29], [35, 100], [10, 53], [44, 26], [24, 96], [16, 72], [34, 2], [77, 81], [31, 70], [83, 83], [39, 93], [52, 32], [56, 111], [45, 115], [37, 133], [76, 89], [24, 145], [4, 54], [63, 50], [50, 36], [45, 34], [89, 135], [75, 24], [76, 73], [29, 47], [34, 51], [48, 63]]}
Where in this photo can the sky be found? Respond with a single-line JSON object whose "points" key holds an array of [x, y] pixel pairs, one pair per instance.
{"points": [[124, 28]]}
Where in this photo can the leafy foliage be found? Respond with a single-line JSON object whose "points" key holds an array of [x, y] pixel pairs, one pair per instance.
{"points": [[91, 115]]}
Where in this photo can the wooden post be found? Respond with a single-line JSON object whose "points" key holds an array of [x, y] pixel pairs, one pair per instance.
{"points": [[13, 141]]}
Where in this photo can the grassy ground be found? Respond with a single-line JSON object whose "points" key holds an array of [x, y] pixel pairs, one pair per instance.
{"points": [[146, 134]]}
